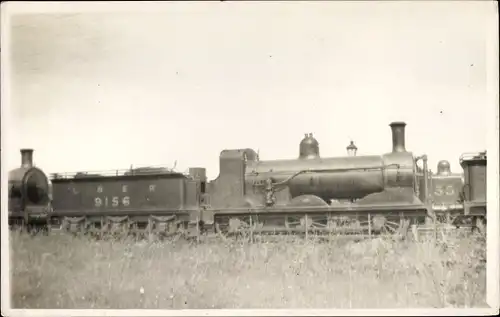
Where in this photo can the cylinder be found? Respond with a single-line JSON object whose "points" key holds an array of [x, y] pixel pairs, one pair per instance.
{"points": [[26, 158], [398, 136]]}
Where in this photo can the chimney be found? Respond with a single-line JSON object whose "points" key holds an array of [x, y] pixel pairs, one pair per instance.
{"points": [[26, 158], [398, 136]]}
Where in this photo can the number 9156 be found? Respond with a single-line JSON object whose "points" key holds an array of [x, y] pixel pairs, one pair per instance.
{"points": [[114, 201]]}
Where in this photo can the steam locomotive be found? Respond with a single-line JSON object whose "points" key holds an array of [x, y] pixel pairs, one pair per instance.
{"points": [[460, 198], [355, 195], [28, 202]]}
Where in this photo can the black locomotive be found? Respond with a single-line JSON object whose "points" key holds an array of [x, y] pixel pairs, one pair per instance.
{"points": [[29, 201]]}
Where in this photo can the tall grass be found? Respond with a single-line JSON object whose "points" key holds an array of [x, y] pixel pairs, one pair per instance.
{"points": [[78, 272]]}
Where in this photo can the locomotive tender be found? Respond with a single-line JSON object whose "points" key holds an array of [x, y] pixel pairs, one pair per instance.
{"points": [[474, 190], [360, 195]]}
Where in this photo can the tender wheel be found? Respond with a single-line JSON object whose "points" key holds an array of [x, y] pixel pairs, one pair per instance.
{"points": [[480, 225]]}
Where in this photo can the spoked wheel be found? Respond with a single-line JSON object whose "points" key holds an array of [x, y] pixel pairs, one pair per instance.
{"points": [[480, 225], [240, 227], [18, 226], [35, 230], [316, 224], [447, 219], [390, 227], [295, 224], [299, 223]]}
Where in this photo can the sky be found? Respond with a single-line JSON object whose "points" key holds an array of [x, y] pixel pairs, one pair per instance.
{"points": [[180, 82]]}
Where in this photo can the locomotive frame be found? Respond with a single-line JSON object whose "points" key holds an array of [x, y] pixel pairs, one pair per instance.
{"points": [[358, 196]]}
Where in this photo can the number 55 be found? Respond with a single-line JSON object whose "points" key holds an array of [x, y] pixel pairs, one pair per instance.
{"points": [[441, 190]]}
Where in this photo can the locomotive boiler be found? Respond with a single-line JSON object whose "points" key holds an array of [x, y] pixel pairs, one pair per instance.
{"points": [[29, 200], [339, 178]]}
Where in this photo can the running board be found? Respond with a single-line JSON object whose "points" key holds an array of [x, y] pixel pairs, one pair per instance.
{"points": [[362, 209]]}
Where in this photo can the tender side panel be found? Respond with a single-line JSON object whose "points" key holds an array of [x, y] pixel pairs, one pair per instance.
{"points": [[112, 194], [477, 181], [475, 177], [445, 190]]}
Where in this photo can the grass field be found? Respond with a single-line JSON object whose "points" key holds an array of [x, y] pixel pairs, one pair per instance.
{"points": [[77, 272]]}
